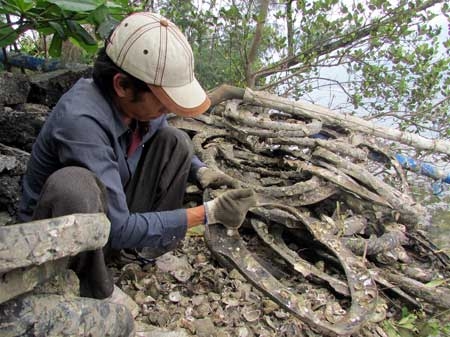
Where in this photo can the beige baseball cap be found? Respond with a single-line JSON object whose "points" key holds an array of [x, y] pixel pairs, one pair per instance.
{"points": [[153, 49]]}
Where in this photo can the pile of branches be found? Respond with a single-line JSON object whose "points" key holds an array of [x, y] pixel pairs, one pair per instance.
{"points": [[335, 239]]}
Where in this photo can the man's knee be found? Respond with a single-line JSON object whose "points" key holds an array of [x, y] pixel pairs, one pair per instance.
{"points": [[73, 190], [178, 137]]}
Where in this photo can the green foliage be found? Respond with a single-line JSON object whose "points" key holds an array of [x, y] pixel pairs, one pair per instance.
{"points": [[387, 59], [61, 19], [417, 324], [221, 38]]}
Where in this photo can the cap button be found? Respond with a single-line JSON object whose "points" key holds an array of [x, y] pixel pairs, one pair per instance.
{"points": [[164, 22]]}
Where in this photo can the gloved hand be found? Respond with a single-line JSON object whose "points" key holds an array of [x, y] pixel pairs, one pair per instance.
{"points": [[230, 208], [211, 178]]}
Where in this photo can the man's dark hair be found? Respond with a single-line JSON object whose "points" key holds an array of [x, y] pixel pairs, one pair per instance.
{"points": [[105, 70]]}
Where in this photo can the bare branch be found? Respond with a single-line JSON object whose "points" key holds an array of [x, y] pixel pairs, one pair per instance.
{"points": [[250, 79], [324, 47]]}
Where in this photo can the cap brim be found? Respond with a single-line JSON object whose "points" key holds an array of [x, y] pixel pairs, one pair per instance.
{"points": [[188, 100]]}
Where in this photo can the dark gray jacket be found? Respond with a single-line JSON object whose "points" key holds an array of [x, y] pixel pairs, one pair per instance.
{"points": [[85, 130]]}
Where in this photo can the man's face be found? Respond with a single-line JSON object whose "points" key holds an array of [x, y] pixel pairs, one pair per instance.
{"points": [[143, 108]]}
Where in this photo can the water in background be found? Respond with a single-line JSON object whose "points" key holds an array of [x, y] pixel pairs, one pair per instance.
{"points": [[438, 207]]}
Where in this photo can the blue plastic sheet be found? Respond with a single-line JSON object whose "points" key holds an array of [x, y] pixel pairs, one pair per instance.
{"points": [[31, 62]]}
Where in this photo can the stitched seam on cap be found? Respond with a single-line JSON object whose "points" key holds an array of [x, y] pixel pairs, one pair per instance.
{"points": [[158, 18], [160, 51], [111, 38], [132, 39], [182, 39], [166, 41], [155, 79], [124, 46]]}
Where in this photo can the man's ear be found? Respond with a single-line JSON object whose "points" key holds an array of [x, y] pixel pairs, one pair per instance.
{"points": [[119, 86]]}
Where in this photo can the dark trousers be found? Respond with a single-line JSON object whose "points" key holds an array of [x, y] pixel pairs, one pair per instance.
{"points": [[158, 184]]}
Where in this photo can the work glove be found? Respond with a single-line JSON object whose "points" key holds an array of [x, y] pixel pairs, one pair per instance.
{"points": [[230, 208], [211, 178]]}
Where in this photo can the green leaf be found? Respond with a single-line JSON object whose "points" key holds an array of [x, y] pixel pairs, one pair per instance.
{"points": [[9, 7], [80, 34], [55, 46], [90, 49], [408, 322], [58, 29], [78, 5], [44, 9], [390, 329], [46, 30], [117, 3], [106, 27], [103, 20], [24, 5], [7, 35], [98, 15], [406, 332], [435, 283]]}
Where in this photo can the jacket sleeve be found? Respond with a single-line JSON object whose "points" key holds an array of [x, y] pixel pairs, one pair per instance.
{"points": [[83, 142]]}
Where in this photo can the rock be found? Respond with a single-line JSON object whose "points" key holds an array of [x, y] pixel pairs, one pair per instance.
{"points": [[32, 108], [269, 306], [119, 297], [5, 218], [53, 315], [175, 296], [236, 275], [17, 160], [36, 242], [20, 128], [145, 330], [14, 88], [12, 166], [204, 327], [65, 282], [20, 281], [9, 193], [243, 332], [47, 88], [250, 314], [178, 267]]}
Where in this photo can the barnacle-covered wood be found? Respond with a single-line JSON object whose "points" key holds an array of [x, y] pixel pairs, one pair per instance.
{"points": [[273, 237], [334, 208], [293, 128], [374, 245], [408, 209], [328, 116], [233, 251], [439, 296], [36, 242]]}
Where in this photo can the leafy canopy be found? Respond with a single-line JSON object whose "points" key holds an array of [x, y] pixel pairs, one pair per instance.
{"points": [[61, 19], [384, 59]]}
